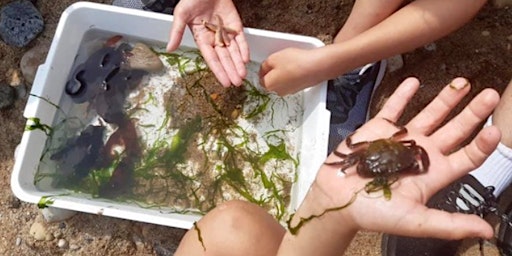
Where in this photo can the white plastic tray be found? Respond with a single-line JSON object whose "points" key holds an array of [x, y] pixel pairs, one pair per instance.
{"points": [[152, 27]]}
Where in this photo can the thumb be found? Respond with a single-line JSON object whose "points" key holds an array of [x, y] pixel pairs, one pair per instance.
{"points": [[445, 225], [177, 31]]}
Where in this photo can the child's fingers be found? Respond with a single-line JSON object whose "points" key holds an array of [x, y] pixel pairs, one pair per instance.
{"points": [[444, 225], [436, 111], [474, 154], [460, 127], [395, 105]]}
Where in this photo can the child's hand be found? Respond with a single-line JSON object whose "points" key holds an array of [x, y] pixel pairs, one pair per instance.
{"points": [[226, 62], [405, 212], [291, 70]]}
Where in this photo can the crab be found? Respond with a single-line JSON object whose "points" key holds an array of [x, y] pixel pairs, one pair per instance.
{"points": [[383, 160]]}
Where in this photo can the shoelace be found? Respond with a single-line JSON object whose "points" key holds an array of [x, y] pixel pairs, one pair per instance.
{"points": [[467, 200]]}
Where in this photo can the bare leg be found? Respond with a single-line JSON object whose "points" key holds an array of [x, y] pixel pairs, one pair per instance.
{"points": [[364, 15], [496, 170], [234, 228], [502, 116]]}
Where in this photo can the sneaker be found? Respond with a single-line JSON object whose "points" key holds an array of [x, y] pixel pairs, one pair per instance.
{"points": [[504, 241], [348, 99], [162, 6], [465, 195]]}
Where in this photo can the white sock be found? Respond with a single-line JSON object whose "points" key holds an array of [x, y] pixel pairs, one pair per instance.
{"points": [[496, 171]]}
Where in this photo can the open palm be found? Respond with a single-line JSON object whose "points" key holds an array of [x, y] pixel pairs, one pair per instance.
{"points": [[226, 62], [405, 212]]}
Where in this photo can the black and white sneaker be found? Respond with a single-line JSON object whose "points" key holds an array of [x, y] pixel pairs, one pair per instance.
{"points": [[348, 100], [504, 241], [466, 195]]}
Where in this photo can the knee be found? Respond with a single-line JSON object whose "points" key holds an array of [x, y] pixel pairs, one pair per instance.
{"points": [[242, 219], [237, 215]]}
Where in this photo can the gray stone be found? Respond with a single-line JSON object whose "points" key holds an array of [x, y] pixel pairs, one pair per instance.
{"points": [[20, 23], [31, 61], [52, 214], [7, 96], [395, 63]]}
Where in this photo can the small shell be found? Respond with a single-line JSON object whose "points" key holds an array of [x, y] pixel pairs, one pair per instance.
{"points": [[235, 113]]}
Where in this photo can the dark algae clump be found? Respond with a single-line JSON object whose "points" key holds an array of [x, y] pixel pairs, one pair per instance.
{"points": [[181, 144]]}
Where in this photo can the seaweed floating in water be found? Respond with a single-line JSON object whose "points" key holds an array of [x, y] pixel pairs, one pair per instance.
{"points": [[181, 145]]}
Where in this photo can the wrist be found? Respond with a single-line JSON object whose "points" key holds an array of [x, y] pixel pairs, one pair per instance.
{"points": [[321, 207], [332, 230]]}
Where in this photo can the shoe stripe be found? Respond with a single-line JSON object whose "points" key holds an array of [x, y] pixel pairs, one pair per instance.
{"points": [[472, 195]]}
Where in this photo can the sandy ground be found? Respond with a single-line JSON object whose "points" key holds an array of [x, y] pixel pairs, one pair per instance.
{"points": [[480, 51]]}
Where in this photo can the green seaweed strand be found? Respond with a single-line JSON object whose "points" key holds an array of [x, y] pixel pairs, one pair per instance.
{"points": [[45, 202], [302, 221], [37, 125], [199, 236]]}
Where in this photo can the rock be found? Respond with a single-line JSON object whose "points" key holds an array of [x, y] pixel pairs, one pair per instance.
{"points": [[39, 232], [7, 96], [145, 59], [62, 243], [14, 202], [160, 250], [430, 47], [31, 61], [486, 33], [52, 214], [74, 247], [18, 241], [57, 234], [15, 80], [502, 3], [395, 63], [20, 23], [14, 77]]}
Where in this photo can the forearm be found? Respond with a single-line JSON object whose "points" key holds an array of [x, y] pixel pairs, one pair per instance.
{"points": [[419, 23]]}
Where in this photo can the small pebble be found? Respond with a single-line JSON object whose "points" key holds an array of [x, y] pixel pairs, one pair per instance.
{"points": [[509, 38], [62, 243], [7, 96], [18, 241], [395, 63], [62, 225], [74, 247], [430, 47], [57, 234], [486, 33], [14, 77], [14, 202], [38, 231], [20, 23]]}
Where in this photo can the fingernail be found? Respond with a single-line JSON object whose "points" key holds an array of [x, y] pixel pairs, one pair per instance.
{"points": [[459, 83]]}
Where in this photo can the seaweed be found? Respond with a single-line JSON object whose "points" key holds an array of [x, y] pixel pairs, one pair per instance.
{"points": [[193, 163]]}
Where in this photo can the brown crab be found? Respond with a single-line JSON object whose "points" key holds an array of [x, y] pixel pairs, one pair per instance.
{"points": [[383, 160]]}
